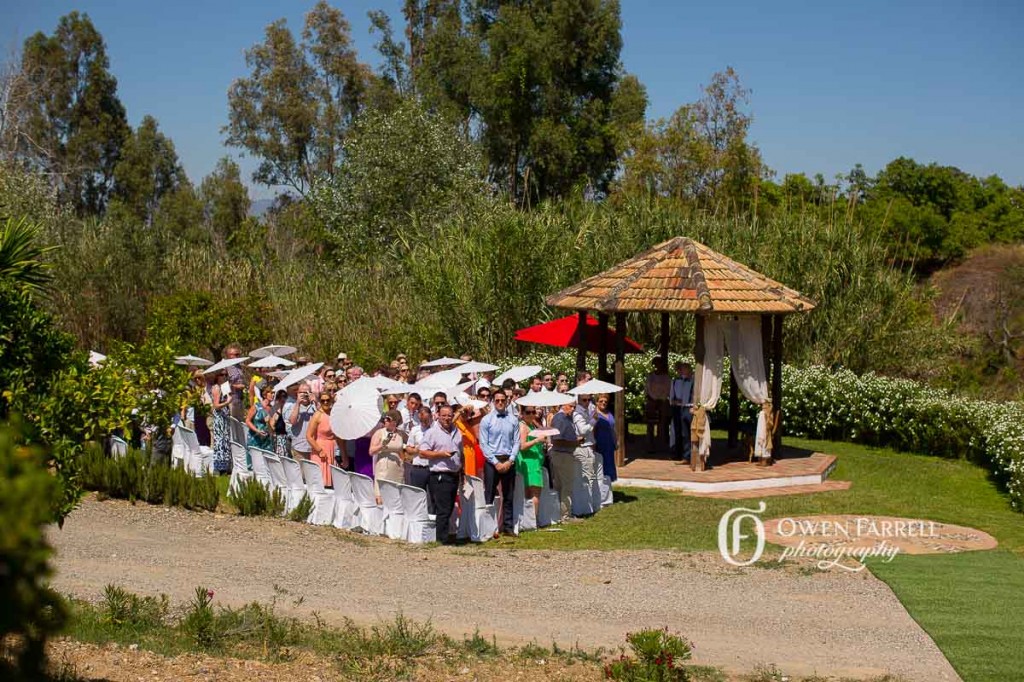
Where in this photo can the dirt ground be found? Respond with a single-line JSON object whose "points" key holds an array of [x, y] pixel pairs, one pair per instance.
{"points": [[825, 623]]}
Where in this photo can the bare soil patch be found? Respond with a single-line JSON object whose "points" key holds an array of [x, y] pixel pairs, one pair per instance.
{"points": [[805, 622]]}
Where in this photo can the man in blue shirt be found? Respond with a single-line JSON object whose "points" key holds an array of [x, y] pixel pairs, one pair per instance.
{"points": [[499, 440], [681, 401]]}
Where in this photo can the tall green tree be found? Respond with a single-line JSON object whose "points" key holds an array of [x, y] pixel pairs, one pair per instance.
{"points": [[538, 79], [69, 122], [147, 171], [701, 153], [225, 199], [294, 109]]}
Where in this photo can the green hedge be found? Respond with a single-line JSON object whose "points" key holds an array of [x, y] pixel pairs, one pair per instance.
{"points": [[134, 477], [871, 409]]}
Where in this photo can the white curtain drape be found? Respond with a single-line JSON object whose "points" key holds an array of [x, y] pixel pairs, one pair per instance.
{"points": [[710, 382], [743, 338]]}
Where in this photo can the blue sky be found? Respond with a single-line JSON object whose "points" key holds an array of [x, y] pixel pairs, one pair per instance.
{"points": [[833, 85]]}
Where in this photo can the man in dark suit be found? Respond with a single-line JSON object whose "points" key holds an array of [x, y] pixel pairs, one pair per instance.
{"points": [[681, 401]]}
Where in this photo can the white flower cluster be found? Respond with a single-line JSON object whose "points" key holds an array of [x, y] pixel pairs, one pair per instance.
{"points": [[875, 410]]}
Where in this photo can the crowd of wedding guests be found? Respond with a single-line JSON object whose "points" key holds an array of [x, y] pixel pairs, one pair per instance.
{"points": [[421, 438]]}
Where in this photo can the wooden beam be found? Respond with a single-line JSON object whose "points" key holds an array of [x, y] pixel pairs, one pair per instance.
{"points": [[664, 340], [696, 461], [734, 410], [777, 379], [620, 380], [581, 347], [602, 358]]}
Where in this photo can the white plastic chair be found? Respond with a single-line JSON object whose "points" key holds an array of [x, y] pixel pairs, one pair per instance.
{"points": [[346, 511], [394, 513], [606, 491], [279, 481], [239, 469], [193, 457], [237, 430], [371, 515], [420, 526], [118, 447], [177, 447], [550, 511], [523, 513], [259, 468], [478, 521], [296, 486], [323, 502], [582, 494]]}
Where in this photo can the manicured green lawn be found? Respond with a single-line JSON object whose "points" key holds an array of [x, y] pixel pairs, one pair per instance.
{"points": [[884, 482], [971, 604]]}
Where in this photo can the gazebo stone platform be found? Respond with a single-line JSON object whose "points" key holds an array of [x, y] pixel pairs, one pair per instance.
{"points": [[730, 470]]}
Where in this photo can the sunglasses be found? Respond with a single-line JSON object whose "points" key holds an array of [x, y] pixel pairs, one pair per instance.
{"points": [[529, 411], [500, 399]]}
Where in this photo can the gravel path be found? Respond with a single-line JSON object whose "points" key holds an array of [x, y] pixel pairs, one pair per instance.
{"points": [[826, 623]]}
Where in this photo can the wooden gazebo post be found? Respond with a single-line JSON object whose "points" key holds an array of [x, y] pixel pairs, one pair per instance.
{"points": [[602, 358], [620, 380], [581, 349]]}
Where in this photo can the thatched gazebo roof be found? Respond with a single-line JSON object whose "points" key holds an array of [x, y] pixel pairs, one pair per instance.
{"points": [[681, 275]]}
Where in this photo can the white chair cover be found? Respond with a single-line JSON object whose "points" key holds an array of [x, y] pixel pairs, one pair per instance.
{"points": [[394, 513], [582, 496], [237, 430], [296, 486], [118, 447], [420, 526], [550, 511], [523, 513], [239, 469], [346, 511], [478, 521], [177, 447], [596, 483], [279, 481], [323, 502], [259, 468], [193, 457], [606, 491], [371, 515]]}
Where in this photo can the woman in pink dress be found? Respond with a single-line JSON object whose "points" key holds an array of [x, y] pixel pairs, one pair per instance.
{"points": [[321, 437]]}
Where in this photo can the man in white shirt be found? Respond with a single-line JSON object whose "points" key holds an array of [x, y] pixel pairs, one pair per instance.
{"points": [[681, 401], [419, 468]]}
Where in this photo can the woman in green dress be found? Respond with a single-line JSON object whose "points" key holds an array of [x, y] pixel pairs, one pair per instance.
{"points": [[530, 461]]}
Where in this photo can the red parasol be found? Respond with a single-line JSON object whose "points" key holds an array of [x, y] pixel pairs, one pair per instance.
{"points": [[564, 333]]}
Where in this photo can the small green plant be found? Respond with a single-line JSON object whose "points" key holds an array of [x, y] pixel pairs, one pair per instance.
{"points": [[479, 645], [125, 609], [200, 622], [659, 656], [768, 673], [251, 498], [302, 510]]}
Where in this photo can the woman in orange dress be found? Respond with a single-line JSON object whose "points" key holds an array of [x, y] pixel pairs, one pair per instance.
{"points": [[468, 424], [321, 437]]}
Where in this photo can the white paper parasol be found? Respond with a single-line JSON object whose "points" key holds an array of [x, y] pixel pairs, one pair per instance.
{"points": [[272, 361], [474, 366], [517, 374], [298, 374], [545, 399], [192, 361], [357, 409], [595, 386], [443, 362], [273, 349], [224, 364]]}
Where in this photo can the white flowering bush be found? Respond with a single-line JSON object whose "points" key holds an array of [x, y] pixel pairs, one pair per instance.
{"points": [[875, 410]]}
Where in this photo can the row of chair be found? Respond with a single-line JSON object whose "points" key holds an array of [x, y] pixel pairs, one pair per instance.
{"points": [[402, 514]]}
